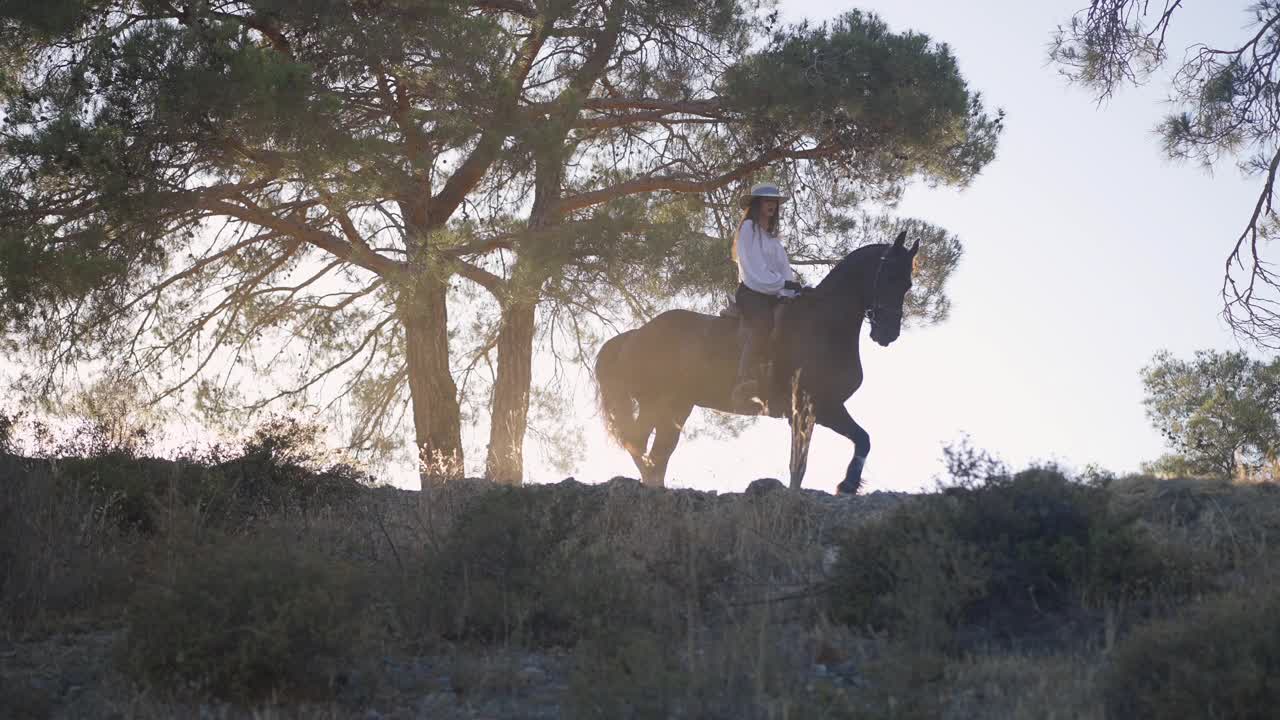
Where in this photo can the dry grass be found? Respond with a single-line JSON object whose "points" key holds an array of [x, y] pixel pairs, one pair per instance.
{"points": [[277, 589], [1218, 658]]}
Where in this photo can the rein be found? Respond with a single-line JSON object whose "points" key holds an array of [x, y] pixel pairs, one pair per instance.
{"points": [[874, 306]]}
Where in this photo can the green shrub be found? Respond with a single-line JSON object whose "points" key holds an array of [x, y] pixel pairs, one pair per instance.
{"points": [[1219, 660], [280, 469], [250, 616], [74, 530], [239, 493], [630, 673], [519, 565], [754, 667], [548, 565], [909, 571], [1003, 556], [1228, 526], [63, 552], [128, 489]]}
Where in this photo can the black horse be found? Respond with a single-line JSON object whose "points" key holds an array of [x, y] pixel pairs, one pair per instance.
{"points": [[650, 378]]}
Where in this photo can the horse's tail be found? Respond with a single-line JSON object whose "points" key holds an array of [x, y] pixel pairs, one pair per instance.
{"points": [[617, 405]]}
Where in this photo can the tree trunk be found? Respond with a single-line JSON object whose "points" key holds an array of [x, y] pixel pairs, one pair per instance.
{"points": [[511, 393], [437, 421]]}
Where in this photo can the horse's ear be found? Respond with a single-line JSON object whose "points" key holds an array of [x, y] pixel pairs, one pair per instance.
{"points": [[902, 239], [914, 247]]}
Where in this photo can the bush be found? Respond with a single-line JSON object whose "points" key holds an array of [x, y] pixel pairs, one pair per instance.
{"points": [[1003, 556], [243, 491], [909, 571], [251, 616], [755, 666], [62, 551], [1229, 526], [1220, 660], [549, 565]]}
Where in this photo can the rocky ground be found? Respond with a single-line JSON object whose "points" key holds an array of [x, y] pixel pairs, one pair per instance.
{"points": [[74, 673], [253, 588]]}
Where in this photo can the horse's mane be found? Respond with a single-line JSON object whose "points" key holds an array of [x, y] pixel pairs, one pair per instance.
{"points": [[843, 272]]}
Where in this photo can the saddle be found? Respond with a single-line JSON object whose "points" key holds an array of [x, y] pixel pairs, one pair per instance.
{"points": [[731, 310]]}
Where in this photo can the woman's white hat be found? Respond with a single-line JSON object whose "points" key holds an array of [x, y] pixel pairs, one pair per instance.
{"points": [[765, 190]]}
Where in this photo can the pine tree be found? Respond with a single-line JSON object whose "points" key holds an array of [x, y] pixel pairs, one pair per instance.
{"points": [[848, 106], [212, 192], [1226, 106]]}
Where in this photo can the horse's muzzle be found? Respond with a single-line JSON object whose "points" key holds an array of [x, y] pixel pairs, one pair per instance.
{"points": [[884, 336]]}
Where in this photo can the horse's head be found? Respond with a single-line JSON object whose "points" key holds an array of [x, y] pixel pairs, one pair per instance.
{"points": [[889, 289]]}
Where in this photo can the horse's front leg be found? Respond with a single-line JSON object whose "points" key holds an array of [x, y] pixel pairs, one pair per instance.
{"points": [[835, 416], [802, 418]]}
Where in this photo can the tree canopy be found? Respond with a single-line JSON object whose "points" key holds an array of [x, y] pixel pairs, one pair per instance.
{"points": [[1226, 105], [217, 191], [1220, 412]]}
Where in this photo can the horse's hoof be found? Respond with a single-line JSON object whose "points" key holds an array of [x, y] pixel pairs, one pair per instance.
{"points": [[751, 406], [843, 490], [747, 394]]}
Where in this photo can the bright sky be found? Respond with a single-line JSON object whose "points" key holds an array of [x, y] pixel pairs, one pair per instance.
{"points": [[1085, 253]]}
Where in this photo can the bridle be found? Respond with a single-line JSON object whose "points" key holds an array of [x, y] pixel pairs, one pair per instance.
{"points": [[875, 308]]}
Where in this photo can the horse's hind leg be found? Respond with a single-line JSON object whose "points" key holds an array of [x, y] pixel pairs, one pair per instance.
{"points": [[668, 430], [637, 440]]}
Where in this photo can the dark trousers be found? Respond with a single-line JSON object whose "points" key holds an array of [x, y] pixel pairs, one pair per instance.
{"points": [[755, 327]]}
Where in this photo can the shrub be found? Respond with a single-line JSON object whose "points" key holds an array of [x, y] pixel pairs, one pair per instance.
{"points": [[910, 570], [550, 564], [128, 488], [1219, 660], [62, 552], [1004, 555], [1228, 526], [238, 493], [518, 565], [251, 616], [755, 666]]}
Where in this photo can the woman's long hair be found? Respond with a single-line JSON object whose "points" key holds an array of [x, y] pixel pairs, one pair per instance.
{"points": [[753, 214]]}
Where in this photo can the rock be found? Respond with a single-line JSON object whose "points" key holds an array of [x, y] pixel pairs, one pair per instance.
{"points": [[764, 486], [530, 675], [830, 557], [436, 705], [31, 699]]}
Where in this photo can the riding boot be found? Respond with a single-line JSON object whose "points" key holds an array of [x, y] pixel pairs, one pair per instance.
{"points": [[746, 389]]}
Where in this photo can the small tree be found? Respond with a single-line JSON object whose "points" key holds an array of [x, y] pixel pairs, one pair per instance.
{"points": [[1220, 412]]}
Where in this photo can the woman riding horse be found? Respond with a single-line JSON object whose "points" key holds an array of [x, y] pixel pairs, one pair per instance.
{"points": [[652, 377], [765, 277]]}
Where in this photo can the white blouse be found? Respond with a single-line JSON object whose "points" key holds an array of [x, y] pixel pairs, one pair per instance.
{"points": [[763, 264]]}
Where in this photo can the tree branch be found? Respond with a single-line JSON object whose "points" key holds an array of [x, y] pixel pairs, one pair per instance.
{"points": [[355, 254], [686, 183], [515, 7], [487, 149], [481, 277]]}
